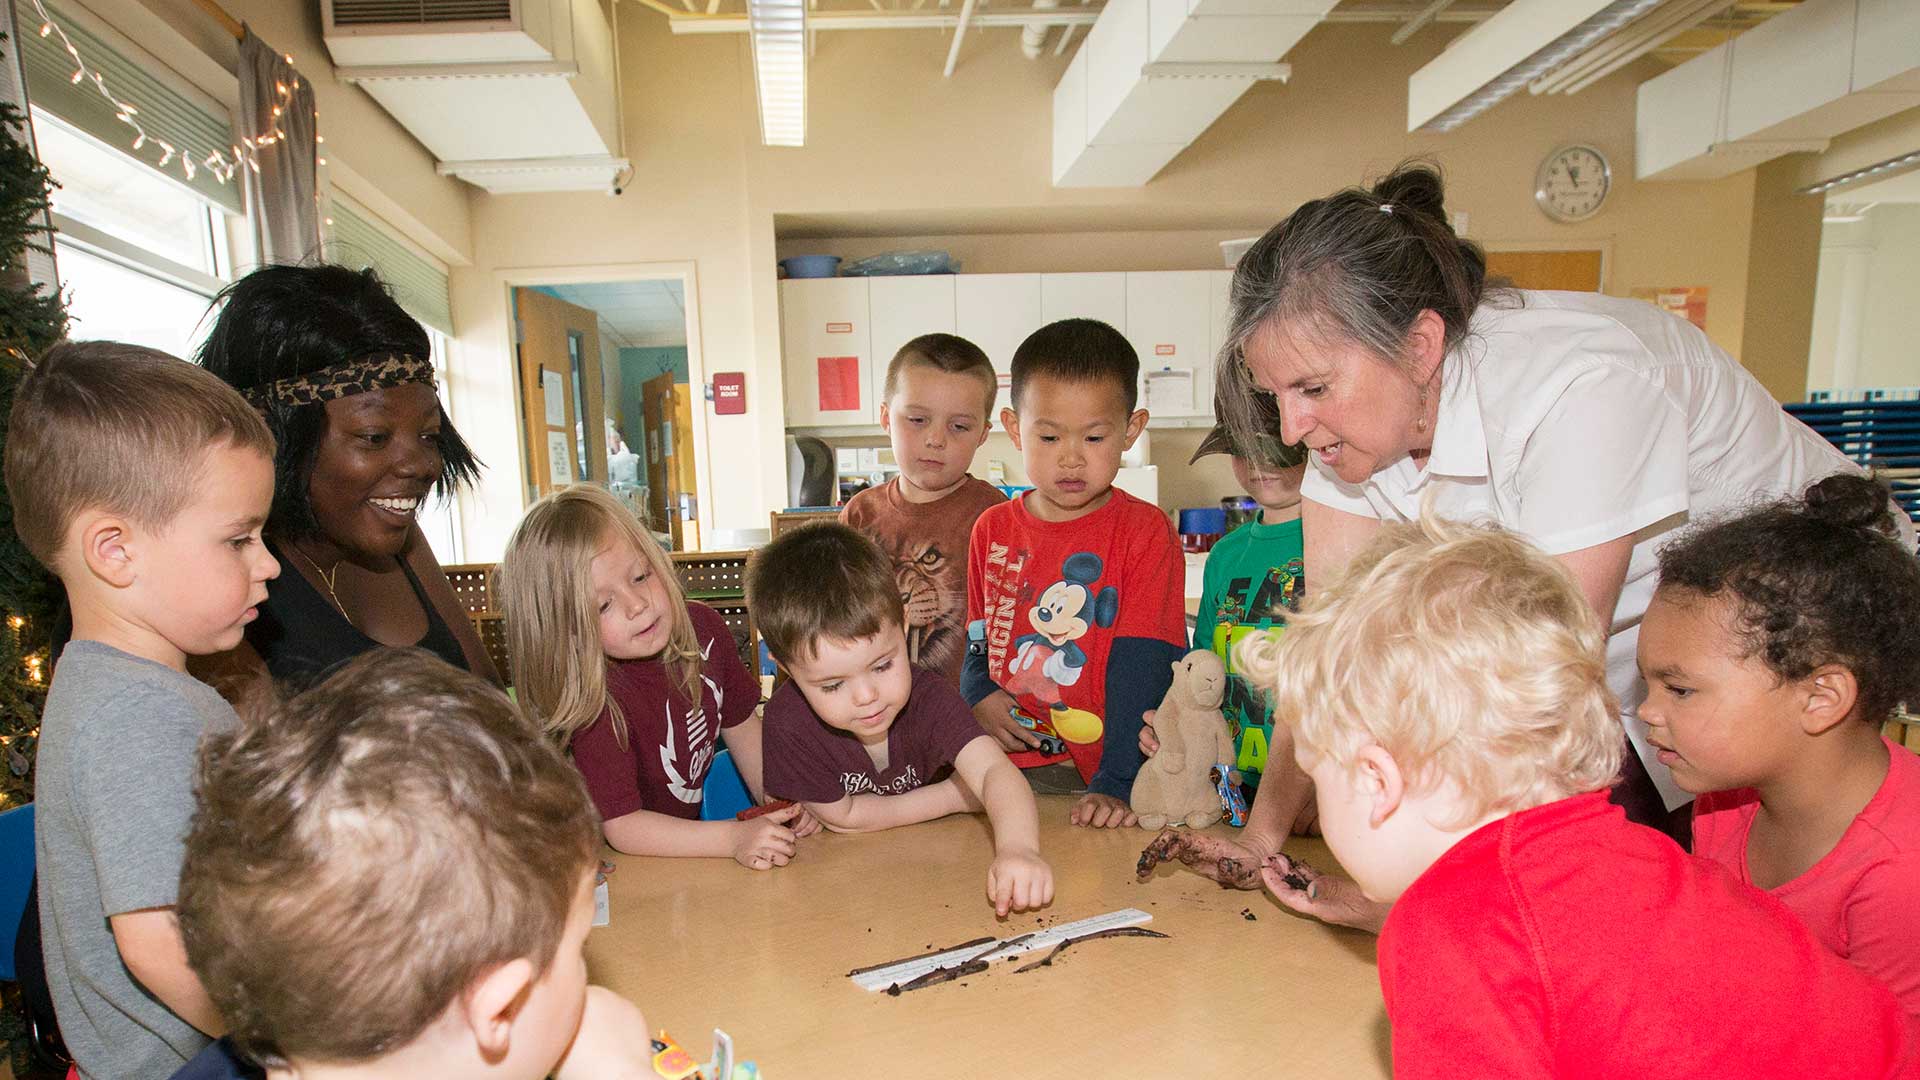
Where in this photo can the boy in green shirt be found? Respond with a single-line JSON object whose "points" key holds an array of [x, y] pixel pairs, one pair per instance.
{"points": [[1254, 577]]}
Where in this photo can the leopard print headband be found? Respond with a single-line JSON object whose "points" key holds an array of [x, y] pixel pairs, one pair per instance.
{"points": [[342, 380]]}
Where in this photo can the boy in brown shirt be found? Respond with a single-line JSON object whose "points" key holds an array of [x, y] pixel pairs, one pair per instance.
{"points": [[939, 395]]}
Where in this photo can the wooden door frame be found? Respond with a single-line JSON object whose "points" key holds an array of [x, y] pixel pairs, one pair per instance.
{"points": [[525, 277], [1604, 247]]}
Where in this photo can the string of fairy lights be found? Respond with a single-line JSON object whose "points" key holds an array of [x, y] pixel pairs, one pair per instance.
{"points": [[244, 154]]}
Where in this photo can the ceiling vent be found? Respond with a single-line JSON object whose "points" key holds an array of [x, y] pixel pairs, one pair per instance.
{"points": [[509, 95]]}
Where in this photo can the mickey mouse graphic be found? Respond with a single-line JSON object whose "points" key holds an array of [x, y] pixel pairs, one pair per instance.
{"points": [[1045, 661]]}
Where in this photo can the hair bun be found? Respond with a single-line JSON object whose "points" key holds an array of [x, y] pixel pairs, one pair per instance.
{"points": [[1851, 501], [1414, 186]]}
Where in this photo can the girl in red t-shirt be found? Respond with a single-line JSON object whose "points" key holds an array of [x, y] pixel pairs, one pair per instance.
{"points": [[1777, 645], [638, 682]]}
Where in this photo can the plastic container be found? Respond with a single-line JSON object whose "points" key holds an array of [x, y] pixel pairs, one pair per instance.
{"points": [[811, 266], [903, 262], [1200, 528], [1240, 509]]}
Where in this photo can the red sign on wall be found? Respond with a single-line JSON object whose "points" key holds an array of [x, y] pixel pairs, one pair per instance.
{"points": [[729, 393], [839, 383], [1163, 350]]}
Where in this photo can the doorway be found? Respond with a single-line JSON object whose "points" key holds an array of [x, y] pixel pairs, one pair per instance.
{"points": [[605, 367]]}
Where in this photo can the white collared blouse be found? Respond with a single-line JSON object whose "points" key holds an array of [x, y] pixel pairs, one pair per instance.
{"points": [[1575, 419]]}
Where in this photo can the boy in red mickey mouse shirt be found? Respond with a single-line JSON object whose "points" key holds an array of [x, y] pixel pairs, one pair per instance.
{"points": [[1074, 591]]}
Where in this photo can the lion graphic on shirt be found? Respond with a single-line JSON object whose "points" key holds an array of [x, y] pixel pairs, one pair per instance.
{"points": [[934, 606]]}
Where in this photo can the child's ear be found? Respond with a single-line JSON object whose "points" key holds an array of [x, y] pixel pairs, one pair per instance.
{"points": [[107, 545], [1010, 423], [886, 418], [492, 1004], [1380, 782], [1136, 424], [1832, 692]]}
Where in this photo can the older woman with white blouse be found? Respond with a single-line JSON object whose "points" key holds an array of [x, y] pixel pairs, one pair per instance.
{"points": [[1593, 426]]}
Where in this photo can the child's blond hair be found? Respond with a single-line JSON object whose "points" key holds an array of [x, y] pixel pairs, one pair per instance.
{"points": [[1463, 651], [553, 627]]}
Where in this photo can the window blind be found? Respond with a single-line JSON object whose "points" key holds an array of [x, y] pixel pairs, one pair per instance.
{"points": [[357, 239], [165, 113]]}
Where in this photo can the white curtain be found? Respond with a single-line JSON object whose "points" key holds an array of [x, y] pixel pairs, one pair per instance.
{"points": [[283, 194]]}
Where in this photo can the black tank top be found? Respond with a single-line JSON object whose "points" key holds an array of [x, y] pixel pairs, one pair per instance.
{"points": [[301, 634]]}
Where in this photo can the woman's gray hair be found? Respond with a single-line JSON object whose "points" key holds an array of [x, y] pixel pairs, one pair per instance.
{"points": [[1357, 266]]}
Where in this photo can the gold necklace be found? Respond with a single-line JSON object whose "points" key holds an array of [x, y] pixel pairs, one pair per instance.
{"points": [[327, 579]]}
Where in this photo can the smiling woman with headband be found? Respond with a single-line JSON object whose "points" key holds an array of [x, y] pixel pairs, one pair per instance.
{"points": [[343, 377]]}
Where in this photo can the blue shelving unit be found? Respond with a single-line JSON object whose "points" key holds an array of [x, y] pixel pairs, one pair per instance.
{"points": [[1883, 435]]}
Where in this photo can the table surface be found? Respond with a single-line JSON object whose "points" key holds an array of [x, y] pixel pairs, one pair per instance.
{"points": [[704, 943]]}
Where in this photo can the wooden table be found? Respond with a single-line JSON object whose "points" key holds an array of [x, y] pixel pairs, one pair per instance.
{"points": [[703, 943]]}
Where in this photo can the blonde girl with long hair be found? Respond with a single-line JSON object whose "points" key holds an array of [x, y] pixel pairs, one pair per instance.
{"points": [[636, 681]]}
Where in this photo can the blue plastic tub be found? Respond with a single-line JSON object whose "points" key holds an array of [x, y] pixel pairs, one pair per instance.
{"points": [[811, 266]]}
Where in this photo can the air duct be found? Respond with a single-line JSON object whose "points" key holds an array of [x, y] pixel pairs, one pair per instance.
{"points": [[1153, 74]]}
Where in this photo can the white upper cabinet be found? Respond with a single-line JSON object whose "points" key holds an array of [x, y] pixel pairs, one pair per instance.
{"points": [[903, 309], [1219, 309], [827, 352], [997, 312], [1170, 325], [838, 334], [1084, 296]]}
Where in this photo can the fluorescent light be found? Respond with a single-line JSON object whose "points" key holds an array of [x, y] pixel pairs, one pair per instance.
{"points": [[1551, 56], [779, 32], [1862, 173]]}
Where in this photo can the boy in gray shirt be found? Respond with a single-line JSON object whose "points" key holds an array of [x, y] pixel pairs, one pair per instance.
{"points": [[142, 481]]}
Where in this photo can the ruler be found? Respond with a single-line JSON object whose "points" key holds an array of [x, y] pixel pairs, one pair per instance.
{"points": [[907, 970]]}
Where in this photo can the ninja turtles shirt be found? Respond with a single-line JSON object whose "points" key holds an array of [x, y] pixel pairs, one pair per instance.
{"points": [[1254, 581], [928, 545], [670, 741], [1049, 601]]}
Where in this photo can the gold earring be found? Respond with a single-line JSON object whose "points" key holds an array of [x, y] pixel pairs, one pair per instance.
{"points": [[1421, 424]]}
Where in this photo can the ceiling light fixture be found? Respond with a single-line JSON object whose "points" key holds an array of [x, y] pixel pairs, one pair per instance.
{"points": [[1559, 51], [779, 32], [1863, 173]]}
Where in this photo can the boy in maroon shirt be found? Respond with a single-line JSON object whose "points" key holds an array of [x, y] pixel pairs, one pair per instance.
{"points": [[861, 738], [1076, 588], [1448, 697], [939, 397]]}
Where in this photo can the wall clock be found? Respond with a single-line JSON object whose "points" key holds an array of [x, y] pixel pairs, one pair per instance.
{"points": [[1572, 183]]}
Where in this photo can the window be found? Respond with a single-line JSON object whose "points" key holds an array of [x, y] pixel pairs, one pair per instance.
{"points": [[140, 257]]}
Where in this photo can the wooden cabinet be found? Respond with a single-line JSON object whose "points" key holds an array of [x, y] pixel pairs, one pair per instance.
{"points": [[827, 352], [901, 309], [997, 312]]}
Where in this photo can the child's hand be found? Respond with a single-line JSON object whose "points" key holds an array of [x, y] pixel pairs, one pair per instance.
{"points": [[1329, 899], [611, 1042], [804, 823], [765, 842], [1102, 812], [1149, 742], [1019, 881], [995, 716]]}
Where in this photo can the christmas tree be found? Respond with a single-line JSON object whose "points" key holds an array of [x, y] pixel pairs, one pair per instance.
{"points": [[31, 318]]}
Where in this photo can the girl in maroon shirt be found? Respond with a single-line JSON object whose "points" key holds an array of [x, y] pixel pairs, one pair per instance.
{"points": [[612, 659]]}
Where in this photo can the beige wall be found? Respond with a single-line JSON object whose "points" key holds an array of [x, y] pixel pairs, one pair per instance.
{"points": [[898, 156], [1782, 271]]}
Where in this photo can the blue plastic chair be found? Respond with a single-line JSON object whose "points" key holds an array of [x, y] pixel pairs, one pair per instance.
{"points": [[16, 880], [726, 794]]}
